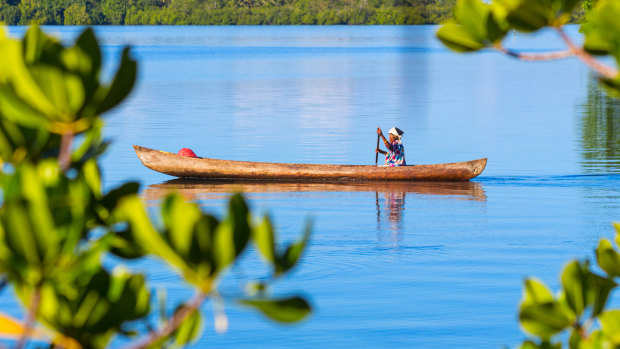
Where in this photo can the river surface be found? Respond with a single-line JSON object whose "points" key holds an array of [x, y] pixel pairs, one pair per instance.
{"points": [[410, 266]]}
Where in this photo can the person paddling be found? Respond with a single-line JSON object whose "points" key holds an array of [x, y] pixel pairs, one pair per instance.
{"points": [[395, 156]]}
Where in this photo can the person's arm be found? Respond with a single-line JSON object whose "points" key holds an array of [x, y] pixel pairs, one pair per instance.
{"points": [[385, 141], [380, 151]]}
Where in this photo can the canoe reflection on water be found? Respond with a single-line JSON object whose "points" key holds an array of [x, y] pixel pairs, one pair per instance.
{"points": [[389, 196], [199, 190]]}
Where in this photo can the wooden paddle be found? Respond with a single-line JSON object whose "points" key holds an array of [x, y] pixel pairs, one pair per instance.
{"points": [[377, 154]]}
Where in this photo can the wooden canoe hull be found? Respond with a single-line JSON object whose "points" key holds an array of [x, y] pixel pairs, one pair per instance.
{"points": [[187, 167]]}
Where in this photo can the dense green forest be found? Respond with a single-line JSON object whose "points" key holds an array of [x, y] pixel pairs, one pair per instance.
{"points": [[225, 12]]}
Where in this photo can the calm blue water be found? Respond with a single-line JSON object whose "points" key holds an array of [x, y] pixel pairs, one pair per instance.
{"points": [[424, 266]]}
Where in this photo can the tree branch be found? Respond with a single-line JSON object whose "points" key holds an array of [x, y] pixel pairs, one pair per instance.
{"points": [[64, 158], [535, 57], [601, 69], [33, 308], [172, 324]]}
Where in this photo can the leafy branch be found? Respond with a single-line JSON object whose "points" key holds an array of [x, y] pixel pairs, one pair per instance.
{"points": [[478, 25], [578, 313], [601, 69], [177, 320], [52, 201]]}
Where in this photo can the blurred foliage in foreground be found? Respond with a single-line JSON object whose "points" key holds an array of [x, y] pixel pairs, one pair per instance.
{"points": [[479, 25], [578, 314], [57, 224], [224, 12]]}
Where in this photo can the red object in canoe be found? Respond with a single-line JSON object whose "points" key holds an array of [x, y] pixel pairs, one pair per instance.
{"points": [[187, 152]]}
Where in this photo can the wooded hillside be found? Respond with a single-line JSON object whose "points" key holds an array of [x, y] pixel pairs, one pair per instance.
{"points": [[224, 12]]}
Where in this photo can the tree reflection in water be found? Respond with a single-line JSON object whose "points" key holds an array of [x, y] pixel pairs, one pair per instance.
{"points": [[600, 138]]}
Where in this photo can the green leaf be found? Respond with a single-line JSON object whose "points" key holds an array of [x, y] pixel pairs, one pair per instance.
{"points": [[92, 176], [608, 259], [122, 84], [110, 200], [472, 16], [29, 226], [532, 15], [528, 15], [602, 29], [123, 245], [458, 39], [612, 86], [575, 285], [92, 144], [597, 339], [610, 323], [595, 42], [529, 344], [496, 31], [238, 215], [18, 110], [264, 239], [536, 292], [224, 251], [567, 6], [582, 288], [131, 209], [51, 81], [540, 314], [605, 18], [600, 288], [26, 87], [202, 255], [574, 341], [87, 43], [19, 236], [544, 320], [91, 304], [39, 47], [231, 234], [285, 310], [179, 218], [292, 254]]}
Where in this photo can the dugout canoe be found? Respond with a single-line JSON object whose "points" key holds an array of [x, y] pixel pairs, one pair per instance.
{"points": [[187, 167]]}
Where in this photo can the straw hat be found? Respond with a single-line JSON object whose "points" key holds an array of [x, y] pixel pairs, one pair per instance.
{"points": [[396, 132]]}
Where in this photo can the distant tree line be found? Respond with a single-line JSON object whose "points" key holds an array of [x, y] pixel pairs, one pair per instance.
{"points": [[224, 12]]}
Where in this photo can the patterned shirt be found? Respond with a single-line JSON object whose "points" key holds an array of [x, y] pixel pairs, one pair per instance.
{"points": [[396, 156]]}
